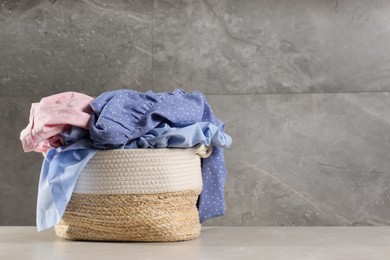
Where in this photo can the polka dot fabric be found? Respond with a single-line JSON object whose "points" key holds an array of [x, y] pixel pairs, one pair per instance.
{"points": [[121, 116]]}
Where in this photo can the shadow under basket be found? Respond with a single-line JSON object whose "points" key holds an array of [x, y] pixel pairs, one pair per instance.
{"points": [[147, 195]]}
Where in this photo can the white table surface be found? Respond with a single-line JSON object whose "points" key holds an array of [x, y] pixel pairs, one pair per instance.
{"points": [[365, 243]]}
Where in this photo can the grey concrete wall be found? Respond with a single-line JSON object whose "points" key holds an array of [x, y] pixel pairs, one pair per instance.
{"points": [[303, 86]]}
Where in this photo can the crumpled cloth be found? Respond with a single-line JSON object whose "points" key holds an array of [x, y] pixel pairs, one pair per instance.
{"points": [[184, 136], [51, 116], [123, 115]]}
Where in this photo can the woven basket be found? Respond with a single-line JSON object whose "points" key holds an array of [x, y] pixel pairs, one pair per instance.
{"points": [[136, 195]]}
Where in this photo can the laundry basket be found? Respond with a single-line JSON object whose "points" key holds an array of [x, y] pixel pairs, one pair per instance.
{"points": [[136, 195]]}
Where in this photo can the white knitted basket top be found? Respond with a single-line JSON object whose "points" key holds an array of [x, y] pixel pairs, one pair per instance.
{"points": [[143, 171]]}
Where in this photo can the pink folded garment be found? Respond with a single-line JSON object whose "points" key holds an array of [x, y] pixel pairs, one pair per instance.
{"points": [[52, 116]]}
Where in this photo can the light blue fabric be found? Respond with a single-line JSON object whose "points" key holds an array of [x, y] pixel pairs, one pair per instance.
{"points": [[59, 173], [182, 136]]}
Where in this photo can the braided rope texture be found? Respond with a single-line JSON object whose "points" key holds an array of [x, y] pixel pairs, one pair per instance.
{"points": [[141, 171], [161, 217]]}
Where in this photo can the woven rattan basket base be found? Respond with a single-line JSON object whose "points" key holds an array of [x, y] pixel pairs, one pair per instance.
{"points": [[160, 217]]}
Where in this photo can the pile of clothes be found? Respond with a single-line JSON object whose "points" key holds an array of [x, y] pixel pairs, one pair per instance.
{"points": [[69, 128]]}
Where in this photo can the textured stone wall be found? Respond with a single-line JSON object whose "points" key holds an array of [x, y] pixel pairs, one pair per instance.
{"points": [[302, 85]]}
